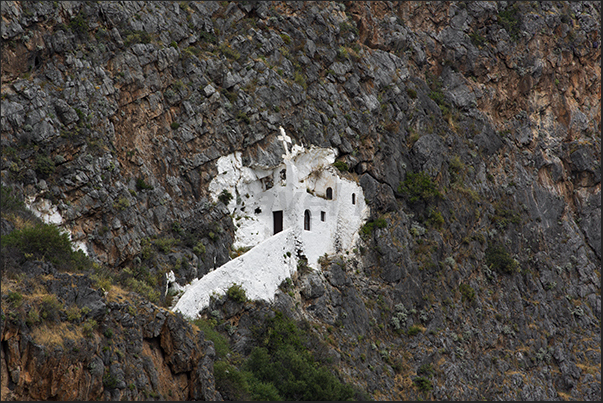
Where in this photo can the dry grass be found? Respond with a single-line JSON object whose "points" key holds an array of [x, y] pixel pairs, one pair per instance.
{"points": [[56, 335], [18, 221], [117, 294], [589, 369], [8, 285]]}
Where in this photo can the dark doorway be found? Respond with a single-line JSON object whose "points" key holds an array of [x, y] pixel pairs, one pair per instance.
{"points": [[307, 220], [329, 194], [277, 218], [353, 198]]}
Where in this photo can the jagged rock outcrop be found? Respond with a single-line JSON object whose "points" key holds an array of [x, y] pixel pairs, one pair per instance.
{"points": [[91, 345], [473, 128]]}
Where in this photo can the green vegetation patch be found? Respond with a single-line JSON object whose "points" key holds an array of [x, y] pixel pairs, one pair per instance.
{"points": [[503, 216], [280, 367], [236, 293], [282, 359], [510, 19], [419, 187], [423, 383], [498, 258], [142, 185], [467, 292], [367, 229], [341, 165], [225, 197], [45, 242]]}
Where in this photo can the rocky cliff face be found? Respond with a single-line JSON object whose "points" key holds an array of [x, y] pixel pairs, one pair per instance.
{"points": [[473, 129]]}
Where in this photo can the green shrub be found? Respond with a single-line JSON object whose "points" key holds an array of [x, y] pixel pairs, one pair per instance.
{"points": [[425, 370], [298, 77], [46, 242], [286, 38], [414, 330], [174, 125], [283, 360], [229, 52], [109, 380], [467, 292], [437, 96], [8, 202], [15, 299], [220, 342], [199, 249], [411, 93], [191, 51], [207, 37], [477, 39], [419, 187], [143, 288], [121, 204], [225, 197], [142, 185], [341, 165], [435, 218], [74, 313], [242, 116], [509, 18], [345, 27], [367, 229], [166, 244], [33, 316], [236, 293], [503, 216], [231, 382], [133, 37], [423, 383], [50, 307], [456, 169], [79, 24], [44, 165], [88, 327], [498, 258]]}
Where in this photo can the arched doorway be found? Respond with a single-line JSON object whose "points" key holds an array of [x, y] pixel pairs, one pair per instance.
{"points": [[329, 194], [307, 218]]}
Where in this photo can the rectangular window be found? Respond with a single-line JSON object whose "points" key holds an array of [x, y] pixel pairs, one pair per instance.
{"points": [[323, 216]]}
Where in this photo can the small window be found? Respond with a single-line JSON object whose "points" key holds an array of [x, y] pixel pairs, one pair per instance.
{"points": [[323, 216], [353, 198], [329, 194], [307, 220]]}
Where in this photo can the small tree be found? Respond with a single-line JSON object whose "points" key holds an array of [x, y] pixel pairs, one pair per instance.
{"points": [[225, 197], [236, 293], [498, 258]]}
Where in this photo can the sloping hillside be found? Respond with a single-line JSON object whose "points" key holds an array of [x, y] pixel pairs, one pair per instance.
{"points": [[473, 129]]}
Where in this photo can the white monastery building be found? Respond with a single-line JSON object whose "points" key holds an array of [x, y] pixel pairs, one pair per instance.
{"points": [[302, 207]]}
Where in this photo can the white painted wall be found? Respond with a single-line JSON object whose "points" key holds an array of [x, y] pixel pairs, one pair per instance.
{"points": [[259, 271], [309, 172]]}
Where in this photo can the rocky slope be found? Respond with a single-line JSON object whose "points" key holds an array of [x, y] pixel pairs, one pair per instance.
{"points": [[473, 128]]}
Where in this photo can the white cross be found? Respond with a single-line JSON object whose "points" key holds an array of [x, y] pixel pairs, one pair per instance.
{"points": [[285, 139]]}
